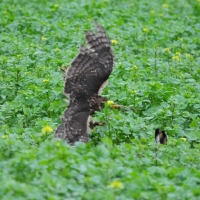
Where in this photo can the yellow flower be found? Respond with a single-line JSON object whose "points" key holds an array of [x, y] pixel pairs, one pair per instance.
{"points": [[145, 30], [178, 53], [189, 56], [114, 42], [166, 49], [56, 6], [52, 9], [45, 80], [176, 58], [184, 139], [134, 91], [120, 64], [44, 39], [57, 144], [57, 49], [135, 67], [152, 11], [47, 129], [117, 184], [110, 103], [165, 5], [18, 55], [181, 39], [4, 137]]}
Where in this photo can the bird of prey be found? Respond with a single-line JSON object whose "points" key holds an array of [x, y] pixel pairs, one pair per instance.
{"points": [[160, 136], [84, 80]]}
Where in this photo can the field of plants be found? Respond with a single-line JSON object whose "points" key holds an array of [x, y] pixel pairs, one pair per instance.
{"points": [[156, 78]]}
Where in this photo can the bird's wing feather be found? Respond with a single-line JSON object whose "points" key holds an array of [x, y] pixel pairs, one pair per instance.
{"points": [[92, 66], [75, 123], [83, 80]]}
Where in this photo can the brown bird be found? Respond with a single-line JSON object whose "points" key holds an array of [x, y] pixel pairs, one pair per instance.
{"points": [[84, 81], [160, 136]]}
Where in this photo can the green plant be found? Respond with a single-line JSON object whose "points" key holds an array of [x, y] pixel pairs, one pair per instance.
{"points": [[155, 79]]}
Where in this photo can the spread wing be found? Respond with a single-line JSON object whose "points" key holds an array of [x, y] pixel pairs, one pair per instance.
{"points": [[84, 79], [75, 122], [92, 66]]}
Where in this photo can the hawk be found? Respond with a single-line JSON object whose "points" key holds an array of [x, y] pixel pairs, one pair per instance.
{"points": [[84, 80], [160, 136]]}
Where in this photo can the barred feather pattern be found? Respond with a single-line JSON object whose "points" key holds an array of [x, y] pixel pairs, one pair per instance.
{"points": [[84, 80]]}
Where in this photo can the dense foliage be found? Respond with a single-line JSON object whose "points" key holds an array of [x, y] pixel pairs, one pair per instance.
{"points": [[156, 79]]}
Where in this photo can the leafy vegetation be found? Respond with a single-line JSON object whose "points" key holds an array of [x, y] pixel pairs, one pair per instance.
{"points": [[156, 78]]}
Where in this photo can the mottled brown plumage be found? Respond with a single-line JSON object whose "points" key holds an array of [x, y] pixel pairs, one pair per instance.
{"points": [[84, 80], [97, 103]]}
